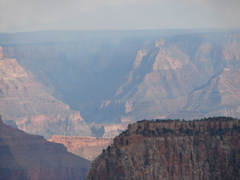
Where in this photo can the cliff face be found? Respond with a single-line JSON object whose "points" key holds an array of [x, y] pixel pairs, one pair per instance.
{"points": [[220, 95], [207, 149], [166, 72], [86, 147], [29, 105], [25, 156]]}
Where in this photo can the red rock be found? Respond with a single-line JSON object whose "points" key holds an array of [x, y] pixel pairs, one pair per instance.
{"points": [[207, 149], [84, 146]]}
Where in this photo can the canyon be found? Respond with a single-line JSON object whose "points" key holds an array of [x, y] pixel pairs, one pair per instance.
{"points": [[100, 81], [82, 88], [26, 156], [168, 149]]}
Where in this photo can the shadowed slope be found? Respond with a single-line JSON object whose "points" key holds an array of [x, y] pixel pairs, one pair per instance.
{"points": [[25, 156]]}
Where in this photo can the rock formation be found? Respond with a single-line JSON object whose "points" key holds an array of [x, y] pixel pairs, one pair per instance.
{"points": [[167, 73], [27, 103], [84, 146], [220, 95], [206, 149], [25, 156]]}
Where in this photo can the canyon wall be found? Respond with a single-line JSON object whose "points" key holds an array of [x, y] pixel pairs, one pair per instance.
{"points": [[25, 156], [180, 77], [84, 146], [27, 104], [206, 149]]}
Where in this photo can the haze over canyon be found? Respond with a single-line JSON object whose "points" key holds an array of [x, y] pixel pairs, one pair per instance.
{"points": [[94, 83], [82, 88]]}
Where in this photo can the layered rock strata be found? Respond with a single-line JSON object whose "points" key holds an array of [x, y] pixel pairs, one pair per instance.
{"points": [[27, 103], [84, 146], [220, 95], [206, 149], [25, 156]]}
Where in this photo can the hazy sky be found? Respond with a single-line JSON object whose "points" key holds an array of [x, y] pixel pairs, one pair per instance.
{"points": [[33, 15]]}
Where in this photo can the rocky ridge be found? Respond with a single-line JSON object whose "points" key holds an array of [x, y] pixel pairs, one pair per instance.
{"points": [[25, 156], [84, 146], [27, 104], [206, 149]]}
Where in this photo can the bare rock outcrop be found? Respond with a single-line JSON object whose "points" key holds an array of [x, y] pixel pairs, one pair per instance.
{"points": [[84, 146], [173, 150], [25, 156]]}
